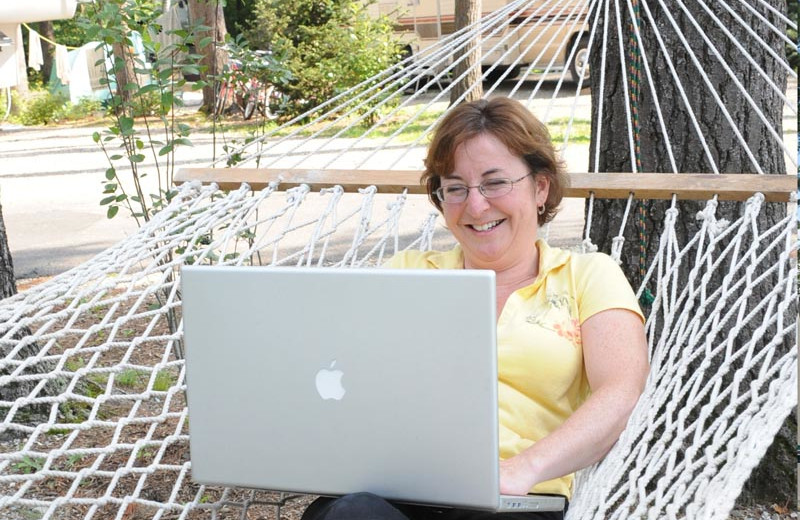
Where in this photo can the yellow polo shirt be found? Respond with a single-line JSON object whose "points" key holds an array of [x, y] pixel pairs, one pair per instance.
{"points": [[541, 376]]}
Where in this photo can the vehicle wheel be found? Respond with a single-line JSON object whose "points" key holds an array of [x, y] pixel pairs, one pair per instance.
{"points": [[264, 108], [498, 72], [580, 64], [250, 108]]}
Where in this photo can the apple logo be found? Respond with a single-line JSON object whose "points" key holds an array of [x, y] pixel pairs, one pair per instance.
{"points": [[329, 383]]}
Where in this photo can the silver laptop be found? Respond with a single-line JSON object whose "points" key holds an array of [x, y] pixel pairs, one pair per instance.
{"points": [[332, 381]]}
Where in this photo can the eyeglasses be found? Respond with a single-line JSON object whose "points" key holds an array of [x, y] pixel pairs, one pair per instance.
{"points": [[490, 188]]}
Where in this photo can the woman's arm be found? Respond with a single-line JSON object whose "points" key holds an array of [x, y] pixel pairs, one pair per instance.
{"points": [[615, 356]]}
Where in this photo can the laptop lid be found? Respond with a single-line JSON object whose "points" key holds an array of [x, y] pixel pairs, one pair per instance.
{"points": [[332, 381]]}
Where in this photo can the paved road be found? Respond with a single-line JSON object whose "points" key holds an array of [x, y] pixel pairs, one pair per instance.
{"points": [[50, 188]]}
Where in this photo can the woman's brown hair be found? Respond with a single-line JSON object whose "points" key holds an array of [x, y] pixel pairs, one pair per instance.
{"points": [[515, 126]]}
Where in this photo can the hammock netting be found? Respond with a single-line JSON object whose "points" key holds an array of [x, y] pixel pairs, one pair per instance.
{"points": [[92, 379]]}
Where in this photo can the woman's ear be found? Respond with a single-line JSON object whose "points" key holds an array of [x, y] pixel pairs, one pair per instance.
{"points": [[542, 185]]}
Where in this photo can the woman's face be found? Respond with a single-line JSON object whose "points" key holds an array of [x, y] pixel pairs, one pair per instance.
{"points": [[497, 233]]}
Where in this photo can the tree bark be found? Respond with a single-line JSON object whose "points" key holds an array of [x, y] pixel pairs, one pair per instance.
{"points": [[209, 13], [467, 12], [8, 285], [30, 414], [124, 68], [46, 30], [773, 481]]}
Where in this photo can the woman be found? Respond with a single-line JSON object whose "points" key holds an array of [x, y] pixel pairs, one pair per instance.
{"points": [[572, 354]]}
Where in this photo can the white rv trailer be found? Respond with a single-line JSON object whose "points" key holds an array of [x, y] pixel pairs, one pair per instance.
{"points": [[540, 35]]}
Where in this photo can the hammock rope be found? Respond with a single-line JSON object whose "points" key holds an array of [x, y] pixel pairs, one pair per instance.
{"points": [[93, 420]]}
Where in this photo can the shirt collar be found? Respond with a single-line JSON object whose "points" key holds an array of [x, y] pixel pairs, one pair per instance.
{"points": [[549, 258]]}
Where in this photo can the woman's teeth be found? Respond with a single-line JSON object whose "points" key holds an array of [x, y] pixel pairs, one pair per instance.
{"points": [[485, 227]]}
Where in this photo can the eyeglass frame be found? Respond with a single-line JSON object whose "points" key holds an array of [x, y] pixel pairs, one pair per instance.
{"points": [[439, 192]]}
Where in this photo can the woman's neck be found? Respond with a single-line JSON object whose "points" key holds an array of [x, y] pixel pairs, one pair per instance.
{"points": [[512, 276]]}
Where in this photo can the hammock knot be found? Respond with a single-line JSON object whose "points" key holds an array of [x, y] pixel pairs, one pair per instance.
{"points": [[369, 190], [295, 195], [616, 248], [588, 246], [335, 190], [709, 215], [672, 214], [753, 205]]}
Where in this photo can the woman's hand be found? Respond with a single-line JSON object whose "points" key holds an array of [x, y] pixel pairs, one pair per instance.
{"points": [[516, 476]]}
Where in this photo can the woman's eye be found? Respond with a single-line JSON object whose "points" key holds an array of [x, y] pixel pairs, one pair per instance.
{"points": [[495, 183]]}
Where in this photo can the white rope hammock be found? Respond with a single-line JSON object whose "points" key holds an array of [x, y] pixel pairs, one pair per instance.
{"points": [[98, 426]]}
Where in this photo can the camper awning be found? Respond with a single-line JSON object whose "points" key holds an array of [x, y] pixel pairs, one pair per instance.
{"points": [[36, 11]]}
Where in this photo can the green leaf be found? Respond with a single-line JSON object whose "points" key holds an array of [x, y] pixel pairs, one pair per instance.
{"points": [[112, 211], [165, 150], [183, 141], [116, 157], [110, 174], [121, 197], [167, 99], [96, 137], [126, 125], [137, 158], [110, 188], [107, 200], [164, 75]]}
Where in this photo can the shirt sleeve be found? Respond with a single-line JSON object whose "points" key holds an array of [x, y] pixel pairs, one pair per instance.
{"points": [[602, 285]]}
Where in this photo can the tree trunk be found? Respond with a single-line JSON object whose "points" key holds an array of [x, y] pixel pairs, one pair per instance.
{"points": [[467, 12], [32, 413], [8, 285], [209, 13], [46, 30], [124, 68], [773, 481]]}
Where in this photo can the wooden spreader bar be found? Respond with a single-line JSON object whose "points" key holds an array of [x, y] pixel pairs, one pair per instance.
{"points": [[688, 186]]}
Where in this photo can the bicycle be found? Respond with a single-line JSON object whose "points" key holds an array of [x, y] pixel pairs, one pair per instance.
{"points": [[245, 93]]}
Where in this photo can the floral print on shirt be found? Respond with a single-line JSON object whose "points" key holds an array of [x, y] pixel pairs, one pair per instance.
{"points": [[564, 324]]}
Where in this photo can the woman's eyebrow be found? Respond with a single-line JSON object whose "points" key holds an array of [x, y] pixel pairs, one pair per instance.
{"points": [[456, 176], [452, 176]]}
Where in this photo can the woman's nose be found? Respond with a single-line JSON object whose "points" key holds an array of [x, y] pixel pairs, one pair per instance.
{"points": [[476, 202]]}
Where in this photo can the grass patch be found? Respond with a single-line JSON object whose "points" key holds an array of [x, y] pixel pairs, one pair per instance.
{"points": [[28, 465], [579, 131], [136, 380]]}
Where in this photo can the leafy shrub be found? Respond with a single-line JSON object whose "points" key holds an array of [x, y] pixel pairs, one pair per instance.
{"points": [[42, 107], [329, 46], [85, 108]]}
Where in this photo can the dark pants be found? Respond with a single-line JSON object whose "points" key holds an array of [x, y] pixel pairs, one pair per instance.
{"points": [[366, 506]]}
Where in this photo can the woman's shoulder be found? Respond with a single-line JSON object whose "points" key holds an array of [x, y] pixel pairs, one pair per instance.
{"points": [[416, 259], [577, 261], [594, 261]]}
